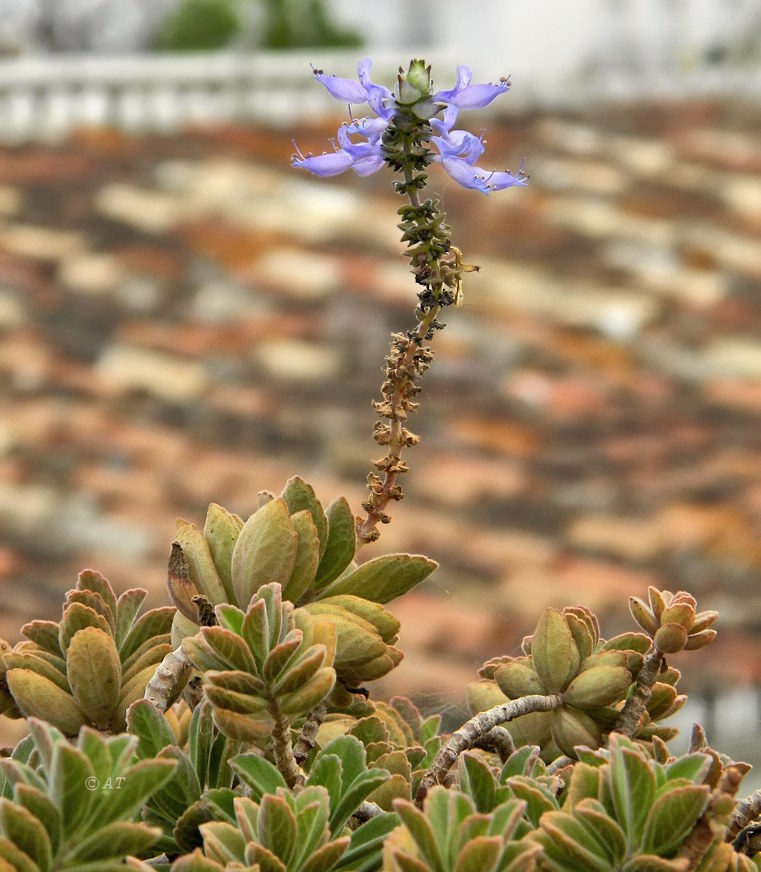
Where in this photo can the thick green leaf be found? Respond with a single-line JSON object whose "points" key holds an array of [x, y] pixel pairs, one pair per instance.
{"points": [[355, 793], [221, 532], [201, 735], [299, 495], [341, 543], [90, 579], [383, 578], [569, 839], [230, 650], [632, 788], [40, 805], [265, 551], [421, 830], [301, 672], [520, 762], [603, 828], [152, 624], [258, 774], [479, 855], [230, 617], [477, 781], [44, 634], [19, 861], [538, 798], [694, 767], [27, 832], [307, 556], [367, 841], [195, 862], [75, 618], [553, 650], [127, 608], [281, 654], [114, 841], [223, 842], [70, 774], [151, 727], [326, 857], [128, 790], [672, 817], [277, 827], [653, 863]]}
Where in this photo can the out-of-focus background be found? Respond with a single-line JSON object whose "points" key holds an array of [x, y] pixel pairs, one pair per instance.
{"points": [[185, 319]]}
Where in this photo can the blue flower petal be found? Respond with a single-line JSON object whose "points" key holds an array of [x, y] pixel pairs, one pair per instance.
{"points": [[346, 90], [324, 164]]}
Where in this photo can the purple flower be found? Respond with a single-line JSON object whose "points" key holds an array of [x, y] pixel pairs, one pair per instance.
{"points": [[360, 145]]}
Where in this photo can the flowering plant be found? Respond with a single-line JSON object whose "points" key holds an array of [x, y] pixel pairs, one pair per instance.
{"points": [[233, 730]]}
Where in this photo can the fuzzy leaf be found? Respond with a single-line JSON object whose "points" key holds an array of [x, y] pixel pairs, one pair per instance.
{"points": [[672, 817], [421, 830], [150, 726], [609, 835], [299, 495], [568, 839], [306, 698], [127, 608], [68, 780], [307, 556], [341, 543], [477, 781], [131, 788], [538, 798], [479, 855], [326, 857], [258, 774], [195, 862], [383, 578], [221, 532], [265, 551], [632, 788], [694, 767], [154, 623], [26, 832], [553, 650], [277, 827], [38, 697], [95, 674], [41, 806], [44, 634], [113, 841], [367, 841], [223, 842]]}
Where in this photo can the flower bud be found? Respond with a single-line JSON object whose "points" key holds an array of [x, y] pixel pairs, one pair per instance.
{"points": [[419, 76]]}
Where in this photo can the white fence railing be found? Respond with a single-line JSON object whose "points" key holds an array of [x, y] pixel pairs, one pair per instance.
{"points": [[46, 97]]}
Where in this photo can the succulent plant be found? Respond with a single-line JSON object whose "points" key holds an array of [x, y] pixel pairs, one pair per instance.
{"points": [[450, 834], [75, 807], [671, 620], [626, 811], [87, 668]]}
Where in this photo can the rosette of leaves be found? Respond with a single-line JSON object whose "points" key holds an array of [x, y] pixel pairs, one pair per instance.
{"points": [[309, 551], [450, 834], [626, 811], [88, 668], [396, 738], [565, 658], [202, 764], [263, 666], [75, 807], [291, 539], [672, 620]]}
